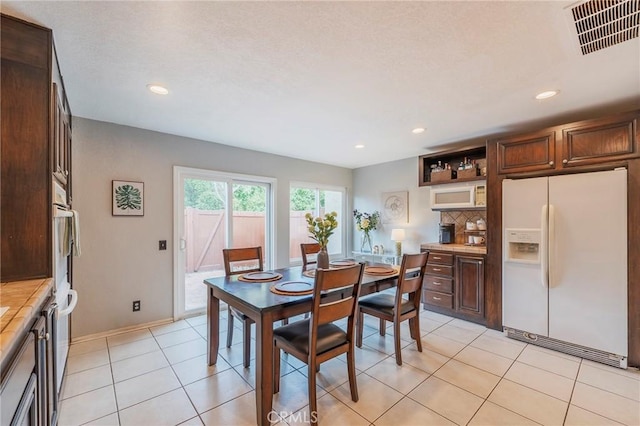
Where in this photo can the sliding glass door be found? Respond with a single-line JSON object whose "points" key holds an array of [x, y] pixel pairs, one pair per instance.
{"points": [[213, 211]]}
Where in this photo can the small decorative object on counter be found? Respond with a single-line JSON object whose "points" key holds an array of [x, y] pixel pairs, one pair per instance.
{"points": [[366, 222], [376, 249], [381, 249], [320, 230]]}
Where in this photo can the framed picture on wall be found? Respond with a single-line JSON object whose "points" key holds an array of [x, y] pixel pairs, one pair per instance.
{"points": [[128, 198], [395, 207]]}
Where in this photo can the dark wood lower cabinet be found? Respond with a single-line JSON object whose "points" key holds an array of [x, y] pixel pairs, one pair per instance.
{"points": [[454, 285], [470, 286]]}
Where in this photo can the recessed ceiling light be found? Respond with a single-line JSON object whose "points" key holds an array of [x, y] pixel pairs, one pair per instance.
{"points": [[157, 89], [418, 130], [547, 94], [359, 146]]}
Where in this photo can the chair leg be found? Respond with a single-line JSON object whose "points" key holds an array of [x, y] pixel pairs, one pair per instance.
{"points": [[359, 328], [351, 366], [247, 343], [396, 339], [412, 331], [313, 403], [416, 331], [276, 369], [285, 321], [229, 328], [383, 330]]}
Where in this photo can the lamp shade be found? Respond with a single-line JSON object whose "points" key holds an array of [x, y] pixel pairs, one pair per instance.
{"points": [[397, 235]]}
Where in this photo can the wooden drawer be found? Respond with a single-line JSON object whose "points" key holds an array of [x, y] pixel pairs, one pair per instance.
{"points": [[444, 285], [446, 271], [440, 258], [438, 299]]}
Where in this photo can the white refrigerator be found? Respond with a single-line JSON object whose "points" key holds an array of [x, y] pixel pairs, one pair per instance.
{"points": [[564, 275]]}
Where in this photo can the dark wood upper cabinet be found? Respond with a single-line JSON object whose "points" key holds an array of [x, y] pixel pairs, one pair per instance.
{"points": [[528, 153], [595, 141], [26, 167], [27, 149], [584, 143]]}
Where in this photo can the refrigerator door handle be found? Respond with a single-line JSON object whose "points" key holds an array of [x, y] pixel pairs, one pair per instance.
{"points": [[552, 243], [544, 255]]}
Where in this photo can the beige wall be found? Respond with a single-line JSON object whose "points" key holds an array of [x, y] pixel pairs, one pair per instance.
{"points": [[120, 259], [368, 185]]}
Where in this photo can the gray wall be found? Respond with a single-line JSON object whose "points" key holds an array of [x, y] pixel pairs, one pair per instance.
{"points": [[120, 261], [369, 183]]}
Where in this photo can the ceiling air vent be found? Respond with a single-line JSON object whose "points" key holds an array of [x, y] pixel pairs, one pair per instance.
{"points": [[601, 24]]}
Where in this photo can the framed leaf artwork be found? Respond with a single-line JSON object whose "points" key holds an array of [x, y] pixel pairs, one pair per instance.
{"points": [[128, 198]]}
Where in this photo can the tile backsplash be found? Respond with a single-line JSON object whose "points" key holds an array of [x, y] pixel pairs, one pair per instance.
{"points": [[460, 218]]}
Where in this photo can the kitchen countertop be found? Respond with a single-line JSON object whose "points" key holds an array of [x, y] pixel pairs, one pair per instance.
{"points": [[455, 248], [24, 299]]}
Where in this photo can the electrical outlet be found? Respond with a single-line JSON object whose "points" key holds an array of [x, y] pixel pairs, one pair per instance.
{"points": [[162, 245], [136, 305]]}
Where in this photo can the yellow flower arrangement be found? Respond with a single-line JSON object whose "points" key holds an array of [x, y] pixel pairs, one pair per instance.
{"points": [[321, 229]]}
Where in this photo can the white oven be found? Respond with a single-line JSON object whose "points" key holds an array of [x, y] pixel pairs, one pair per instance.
{"points": [[66, 298]]}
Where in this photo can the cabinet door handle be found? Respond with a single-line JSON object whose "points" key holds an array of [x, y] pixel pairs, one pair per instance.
{"points": [[437, 283], [44, 336], [551, 163], [437, 258], [565, 161], [436, 298], [436, 269]]}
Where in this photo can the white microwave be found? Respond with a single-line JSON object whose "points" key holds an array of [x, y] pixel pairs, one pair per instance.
{"points": [[447, 197]]}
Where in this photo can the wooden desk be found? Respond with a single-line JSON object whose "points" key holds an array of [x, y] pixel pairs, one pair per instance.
{"points": [[264, 307]]}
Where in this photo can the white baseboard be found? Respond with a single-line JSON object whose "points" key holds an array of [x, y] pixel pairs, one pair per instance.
{"points": [[120, 330]]}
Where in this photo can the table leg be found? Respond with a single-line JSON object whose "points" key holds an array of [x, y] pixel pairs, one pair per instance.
{"points": [[264, 369], [213, 327]]}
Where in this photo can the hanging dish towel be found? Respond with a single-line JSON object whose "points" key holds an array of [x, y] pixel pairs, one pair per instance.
{"points": [[75, 232]]}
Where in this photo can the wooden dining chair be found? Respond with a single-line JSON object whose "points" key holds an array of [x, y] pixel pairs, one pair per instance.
{"points": [[397, 308], [317, 339], [307, 250], [241, 261]]}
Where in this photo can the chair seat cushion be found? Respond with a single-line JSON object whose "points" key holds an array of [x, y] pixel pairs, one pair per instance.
{"points": [[385, 303], [297, 334]]}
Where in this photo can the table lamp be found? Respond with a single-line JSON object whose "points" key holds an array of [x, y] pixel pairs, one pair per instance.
{"points": [[397, 235]]}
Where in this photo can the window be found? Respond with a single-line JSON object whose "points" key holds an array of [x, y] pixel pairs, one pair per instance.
{"points": [[317, 200]]}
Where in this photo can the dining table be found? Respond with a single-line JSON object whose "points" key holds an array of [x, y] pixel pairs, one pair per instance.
{"points": [[257, 301]]}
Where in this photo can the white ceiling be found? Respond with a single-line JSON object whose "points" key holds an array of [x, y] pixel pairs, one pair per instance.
{"points": [[312, 79]]}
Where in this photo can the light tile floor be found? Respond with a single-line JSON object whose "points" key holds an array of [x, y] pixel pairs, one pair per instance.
{"points": [[466, 374]]}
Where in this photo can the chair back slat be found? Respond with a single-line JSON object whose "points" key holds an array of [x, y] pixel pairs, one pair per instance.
{"points": [[411, 278], [308, 249], [346, 283], [242, 260], [334, 311]]}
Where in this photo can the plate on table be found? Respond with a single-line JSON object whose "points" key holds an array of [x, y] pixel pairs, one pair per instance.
{"points": [[261, 276], [342, 263], [379, 270], [293, 287]]}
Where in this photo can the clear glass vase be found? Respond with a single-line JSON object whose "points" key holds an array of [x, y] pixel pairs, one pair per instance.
{"points": [[365, 243]]}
